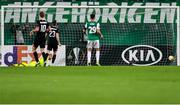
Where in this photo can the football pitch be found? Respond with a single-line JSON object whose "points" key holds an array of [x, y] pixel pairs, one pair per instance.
{"points": [[90, 85]]}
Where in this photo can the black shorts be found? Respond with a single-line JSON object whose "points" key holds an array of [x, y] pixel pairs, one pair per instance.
{"points": [[40, 40], [52, 46], [40, 43]]}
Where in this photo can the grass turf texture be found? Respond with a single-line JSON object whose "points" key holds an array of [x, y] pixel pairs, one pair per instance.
{"points": [[90, 85]]}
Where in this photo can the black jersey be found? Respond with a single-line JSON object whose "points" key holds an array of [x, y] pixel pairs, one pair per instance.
{"points": [[52, 35], [52, 41], [43, 26], [40, 38]]}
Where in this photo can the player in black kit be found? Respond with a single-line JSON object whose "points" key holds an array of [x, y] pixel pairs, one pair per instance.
{"points": [[41, 29], [53, 41]]}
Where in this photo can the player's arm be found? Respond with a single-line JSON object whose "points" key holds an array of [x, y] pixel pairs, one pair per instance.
{"points": [[47, 31], [100, 34], [99, 31], [58, 39], [84, 28], [48, 28], [36, 29]]}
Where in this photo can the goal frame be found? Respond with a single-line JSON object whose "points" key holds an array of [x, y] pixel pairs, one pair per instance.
{"points": [[171, 7]]}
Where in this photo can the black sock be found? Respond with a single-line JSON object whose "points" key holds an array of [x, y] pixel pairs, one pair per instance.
{"points": [[53, 58], [36, 56], [44, 56]]}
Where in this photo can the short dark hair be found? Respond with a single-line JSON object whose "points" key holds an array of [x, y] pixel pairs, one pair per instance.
{"points": [[42, 14], [92, 16], [54, 23]]}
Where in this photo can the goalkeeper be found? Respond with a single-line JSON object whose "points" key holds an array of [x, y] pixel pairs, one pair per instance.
{"points": [[92, 29], [31, 64]]}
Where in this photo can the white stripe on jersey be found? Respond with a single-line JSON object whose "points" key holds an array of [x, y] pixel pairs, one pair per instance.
{"points": [[54, 28], [43, 22]]}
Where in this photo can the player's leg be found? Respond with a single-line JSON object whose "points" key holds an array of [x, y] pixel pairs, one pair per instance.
{"points": [[43, 54], [46, 56], [55, 47], [49, 48], [34, 47], [42, 47], [54, 57], [89, 50], [49, 60], [97, 47], [97, 56]]}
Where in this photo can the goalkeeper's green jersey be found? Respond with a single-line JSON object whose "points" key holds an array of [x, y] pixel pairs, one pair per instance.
{"points": [[91, 28]]}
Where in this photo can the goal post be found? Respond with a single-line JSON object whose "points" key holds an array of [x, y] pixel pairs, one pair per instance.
{"points": [[133, 35], [178, 36]]}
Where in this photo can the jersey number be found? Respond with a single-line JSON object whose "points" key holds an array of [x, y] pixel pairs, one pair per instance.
{"points": [[43, 28], [92, 30], [52, 34]]}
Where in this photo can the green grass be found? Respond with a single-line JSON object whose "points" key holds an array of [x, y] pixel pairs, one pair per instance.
{"points": [[160, 85]]}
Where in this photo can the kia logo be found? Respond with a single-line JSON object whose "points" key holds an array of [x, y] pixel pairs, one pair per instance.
{"points": [[141, 55]]}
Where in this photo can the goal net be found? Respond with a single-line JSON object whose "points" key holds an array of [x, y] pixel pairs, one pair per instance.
{"points": [[138, 35]]}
